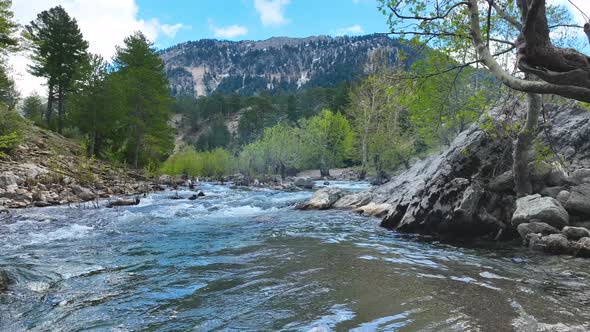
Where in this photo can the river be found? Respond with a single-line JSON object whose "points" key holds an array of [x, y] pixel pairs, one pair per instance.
{"points": [[246, 260]]}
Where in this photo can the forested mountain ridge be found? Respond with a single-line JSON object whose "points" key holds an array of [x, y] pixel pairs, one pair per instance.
{"points": [[277, 64]]}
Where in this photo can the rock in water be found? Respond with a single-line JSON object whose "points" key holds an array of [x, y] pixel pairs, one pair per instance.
{"points": [[583, 247], [82, 193], [323, 199], [575, 233], [553, 243], [541, 209], [3, 281]]}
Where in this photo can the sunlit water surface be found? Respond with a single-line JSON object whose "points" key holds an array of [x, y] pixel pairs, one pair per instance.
{"points": [[246, 260]]}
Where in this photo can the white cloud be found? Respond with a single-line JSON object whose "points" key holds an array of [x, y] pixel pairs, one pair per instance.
{"points": [[349, 31], [104, 23], [228, 32], [272, 12]]}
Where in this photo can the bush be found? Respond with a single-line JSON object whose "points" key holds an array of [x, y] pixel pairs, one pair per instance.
{"points": [[10, 131], [189, 162]]}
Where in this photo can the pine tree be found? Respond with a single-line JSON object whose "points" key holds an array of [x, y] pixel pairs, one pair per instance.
{"points": [[147, 103], [58, 51]]}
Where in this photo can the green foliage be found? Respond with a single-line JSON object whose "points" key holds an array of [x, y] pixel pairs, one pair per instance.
{"points": [[146, 105], [58, 54], [33, 108], [10, 131], [216, 163], [327, 141]]}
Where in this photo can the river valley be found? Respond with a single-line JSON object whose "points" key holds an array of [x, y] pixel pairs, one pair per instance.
{"points": [[247, 260]]}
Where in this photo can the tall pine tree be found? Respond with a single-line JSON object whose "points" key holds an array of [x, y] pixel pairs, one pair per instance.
{"points": [[58, 51], [148, 104]]}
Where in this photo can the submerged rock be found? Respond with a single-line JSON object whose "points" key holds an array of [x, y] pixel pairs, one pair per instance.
{"points": [[322, 199], [553, 243], [541, 209]]}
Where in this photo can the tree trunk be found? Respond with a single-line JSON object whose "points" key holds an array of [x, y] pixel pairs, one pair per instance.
{"points": [[137, 147], [92, 144], [60, 110], [49, 111], [523, 144], [283, 170]]}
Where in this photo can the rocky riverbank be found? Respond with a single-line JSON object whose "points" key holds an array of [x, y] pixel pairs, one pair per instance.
{"points": [[48, 169], [467, 190]]}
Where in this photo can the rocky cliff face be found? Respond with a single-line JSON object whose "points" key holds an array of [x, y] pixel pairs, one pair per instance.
{"points": [[277, 64], [467, 189]]}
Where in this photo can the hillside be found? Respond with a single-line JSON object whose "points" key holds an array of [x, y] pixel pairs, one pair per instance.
{"points": [[277, 64], [49, 169]]}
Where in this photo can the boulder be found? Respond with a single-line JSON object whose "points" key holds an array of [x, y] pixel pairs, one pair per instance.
{"points": [[8, 179], [304, 183], [578, 202], [551, 191], [583, 247], [353, 201], [575, 233], [165, 179], [541, 209], [502, 183], [84, 194], [322, 199], [581, 175], [374, 210], [548, 174], [3, 281], [562, 197], [554, 244], [537, 228]]}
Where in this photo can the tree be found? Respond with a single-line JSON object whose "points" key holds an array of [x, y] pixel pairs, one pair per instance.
{"points": [[147, 104], [58, 51], [33, 108], [8, 28], [327, 140], [456, 28]]}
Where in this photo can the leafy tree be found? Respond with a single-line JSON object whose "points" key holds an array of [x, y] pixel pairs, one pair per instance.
{"points": [[463, 31], [58, 51], [327, 141], [147, 104], [8, 28], [33, 108]]}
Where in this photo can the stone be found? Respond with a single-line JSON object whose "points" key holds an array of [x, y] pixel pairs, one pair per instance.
{"points": [[575, 233], [8, 179], [84, 194], [201, 194], [581, 175], [583, 247], [537, 228], [502, 183], [322, 199], [551, 191], [374, 210], [541, 209], [549, 174], [556, 244], [165, 179], [562, 197], [304, 183], [578, 202], [353, 201], [3, 281]]}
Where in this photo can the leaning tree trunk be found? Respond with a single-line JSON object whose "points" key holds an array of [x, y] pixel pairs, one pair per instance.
{"points": [[523, 144]]}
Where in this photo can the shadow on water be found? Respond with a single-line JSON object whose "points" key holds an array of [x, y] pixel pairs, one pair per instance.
{"points": [[245, 260]]}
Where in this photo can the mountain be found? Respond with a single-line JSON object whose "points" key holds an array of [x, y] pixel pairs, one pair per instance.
{"points": [[277, 64]]}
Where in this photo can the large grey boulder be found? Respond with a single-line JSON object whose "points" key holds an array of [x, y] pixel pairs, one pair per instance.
{"points": [[323, 199], [541, 209], [304, 183], [502, 183], [578, 202], [583, 247], [165, 179], [553, 243], [581, 175], [353, 201]]}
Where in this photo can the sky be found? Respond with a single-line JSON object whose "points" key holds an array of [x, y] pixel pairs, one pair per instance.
{"points": [[105, 23]]}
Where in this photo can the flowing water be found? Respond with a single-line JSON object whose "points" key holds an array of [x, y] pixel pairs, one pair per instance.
{"points": [[246, 260]]}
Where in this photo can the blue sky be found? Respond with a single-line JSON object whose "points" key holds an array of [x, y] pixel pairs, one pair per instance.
{"points": [[297, 18]]}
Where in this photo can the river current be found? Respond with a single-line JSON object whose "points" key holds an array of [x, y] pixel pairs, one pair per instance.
{"points": [[246, 260]]}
